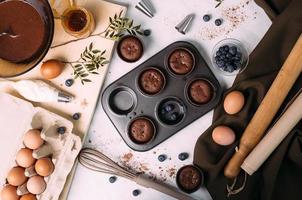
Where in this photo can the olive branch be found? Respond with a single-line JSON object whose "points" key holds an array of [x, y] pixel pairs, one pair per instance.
{"points": [[90, 61]]}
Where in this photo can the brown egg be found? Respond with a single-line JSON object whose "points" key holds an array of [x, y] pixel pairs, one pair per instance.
{"points": [[233, 102], [16, 176], [24, 158], [223, 135], [51, 69], [9, 192], [44, 167], [36, 185], [28, 197], [32, 139]]}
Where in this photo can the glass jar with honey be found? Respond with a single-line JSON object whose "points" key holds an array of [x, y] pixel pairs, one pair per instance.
{"points": [[78, 22]]}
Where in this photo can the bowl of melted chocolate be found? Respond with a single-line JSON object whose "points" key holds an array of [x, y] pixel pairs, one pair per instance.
{"points": [[26, 33]]}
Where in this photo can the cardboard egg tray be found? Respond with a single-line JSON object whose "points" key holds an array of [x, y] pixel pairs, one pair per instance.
{"points": [[19, 116]]}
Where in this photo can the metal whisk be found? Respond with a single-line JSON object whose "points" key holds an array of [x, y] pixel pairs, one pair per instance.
{"points": [[97, 161]]}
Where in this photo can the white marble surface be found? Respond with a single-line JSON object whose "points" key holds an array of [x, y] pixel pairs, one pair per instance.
{"points": [[250, 26]]}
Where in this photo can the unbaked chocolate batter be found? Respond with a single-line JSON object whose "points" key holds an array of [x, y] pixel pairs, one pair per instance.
{"points": [[23, 20]]}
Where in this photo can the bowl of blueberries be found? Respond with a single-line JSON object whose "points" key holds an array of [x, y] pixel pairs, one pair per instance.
{"points": [[230, 57]]}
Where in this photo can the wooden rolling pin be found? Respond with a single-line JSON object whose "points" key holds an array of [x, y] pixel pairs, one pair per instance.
{"points": [[274, 137], [268, 108]]}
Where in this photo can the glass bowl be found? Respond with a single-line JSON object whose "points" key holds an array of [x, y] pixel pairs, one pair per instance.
{"points": [[230, 57]]}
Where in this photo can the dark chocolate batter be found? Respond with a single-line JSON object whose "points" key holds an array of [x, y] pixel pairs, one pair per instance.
{"points": [[24, 21]]}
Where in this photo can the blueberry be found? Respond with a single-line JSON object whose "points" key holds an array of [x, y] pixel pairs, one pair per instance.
{"points": [[220, 64], [206, 18], [222, 57], [162, 157], [69, 82], [169, 107], [76, 116], [238, 55], [217, 58], [163, 111], [233, 50], [61, 130], [226, 48], [218, 53], [237, 65], [147, 32], [173, 117], [229, 68], [229, 55], [112, 179], [136, 192], [218, 22], [183, 156], [221, 49]]}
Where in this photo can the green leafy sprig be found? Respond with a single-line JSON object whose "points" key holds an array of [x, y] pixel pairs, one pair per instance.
{"points": [[90, 61], [119, 25]]}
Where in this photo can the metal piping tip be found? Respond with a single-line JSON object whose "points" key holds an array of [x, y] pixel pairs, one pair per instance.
{"points": [[62, 97], [143, 10], [184, 25], [149, 6]]}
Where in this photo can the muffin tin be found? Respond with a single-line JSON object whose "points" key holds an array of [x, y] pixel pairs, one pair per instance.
{"points": [[170, 108]]}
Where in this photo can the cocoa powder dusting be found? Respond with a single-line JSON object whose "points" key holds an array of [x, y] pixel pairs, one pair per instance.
{"points": [[232, 17]]}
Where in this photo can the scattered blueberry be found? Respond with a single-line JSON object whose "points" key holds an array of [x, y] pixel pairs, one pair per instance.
{"points": [[206, 18], [147, 32], [218, 22], [162, 157], [61, 129], [136, 192], [69, 82], [76, 116], [169, 107], [112, 179], [173, 116], [183, 156]]}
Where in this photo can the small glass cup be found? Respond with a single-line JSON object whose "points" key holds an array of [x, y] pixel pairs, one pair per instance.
{"points": [[240, 47], [78, 22]]}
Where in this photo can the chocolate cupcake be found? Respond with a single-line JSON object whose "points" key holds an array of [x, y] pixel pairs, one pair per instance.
{"points": [[200, 91], [181, 62], [141, 130], [130, 48], [151, 81], [189, 178]]}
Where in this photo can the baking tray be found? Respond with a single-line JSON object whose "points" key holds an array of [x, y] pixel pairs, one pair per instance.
{"points": [[144, 105]]}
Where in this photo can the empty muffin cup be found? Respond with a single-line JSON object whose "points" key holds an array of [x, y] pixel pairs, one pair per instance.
{"points": [[141, 130], [200, 91], [151, 81], [171, 111], [189, 178], [181, 61], [130, 48], [122, 100]]}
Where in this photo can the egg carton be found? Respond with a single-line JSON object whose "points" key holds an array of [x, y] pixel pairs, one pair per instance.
{"points": [[16, 118]]}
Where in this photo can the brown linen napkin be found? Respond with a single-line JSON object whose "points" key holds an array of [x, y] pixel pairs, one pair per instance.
{"points": [[280, 177]]}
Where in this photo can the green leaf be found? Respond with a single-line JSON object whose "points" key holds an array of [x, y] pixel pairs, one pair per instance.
{"points": [[86, 80], [137, 27], [120, 14], [90, 46], [115, 16], [77, 65], [94, 73]]}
